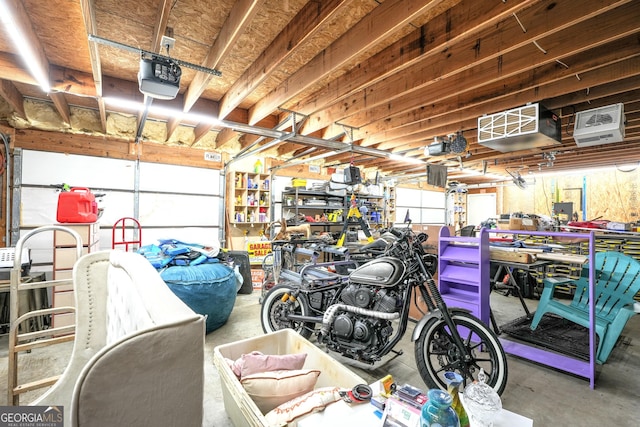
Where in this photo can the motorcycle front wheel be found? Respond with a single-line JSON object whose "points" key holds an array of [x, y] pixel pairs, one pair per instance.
{"points": [[274, 311], [436, 352]]}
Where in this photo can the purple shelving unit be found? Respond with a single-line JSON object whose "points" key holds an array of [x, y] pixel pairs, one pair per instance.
{"points": [[463, 272]]}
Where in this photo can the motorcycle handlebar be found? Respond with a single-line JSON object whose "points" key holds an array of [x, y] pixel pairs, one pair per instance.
{"points": [[397, 232], [335, 250]]}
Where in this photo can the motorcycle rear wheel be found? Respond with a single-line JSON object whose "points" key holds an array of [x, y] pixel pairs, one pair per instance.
{"points": [[273, 313], [436, 353]]}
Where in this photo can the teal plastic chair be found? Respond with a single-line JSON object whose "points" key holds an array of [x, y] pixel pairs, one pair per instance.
{"points": [[617, 279]]}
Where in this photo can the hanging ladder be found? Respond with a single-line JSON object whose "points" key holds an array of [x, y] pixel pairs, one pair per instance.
{"points": [[29, 340]]}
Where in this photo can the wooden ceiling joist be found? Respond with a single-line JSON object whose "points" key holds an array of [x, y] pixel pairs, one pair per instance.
{"points": [[306, 23], [380, 78], [88, 16], [13, 97], [382, 21]]}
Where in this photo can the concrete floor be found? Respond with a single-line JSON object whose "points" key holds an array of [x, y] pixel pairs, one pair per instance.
{"points": [[549, 397]]}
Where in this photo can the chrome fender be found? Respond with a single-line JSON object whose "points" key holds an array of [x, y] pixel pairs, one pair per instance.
{"points": [[436, 314]]}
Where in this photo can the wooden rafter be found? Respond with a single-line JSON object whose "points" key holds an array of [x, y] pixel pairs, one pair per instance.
{"points": [[387, 75], [62, 106], [554, 82], [385, 19], [457, 69], [462, 21], [162, 18], [13, 97], [306, 23], [23, 22], [88, 16], [239, 17]]}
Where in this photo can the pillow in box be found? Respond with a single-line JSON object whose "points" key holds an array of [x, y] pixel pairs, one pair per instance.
{"points": [[208, 289], [255, 362], [313, 401], [270, 389]]}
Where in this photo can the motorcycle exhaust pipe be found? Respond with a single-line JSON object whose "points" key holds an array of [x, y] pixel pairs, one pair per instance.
{"points": [[301, 318]]}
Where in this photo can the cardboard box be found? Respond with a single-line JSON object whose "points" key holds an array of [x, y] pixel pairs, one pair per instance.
{"points": [[502, 224], [618, 226], [239, 406], [530, 224]]}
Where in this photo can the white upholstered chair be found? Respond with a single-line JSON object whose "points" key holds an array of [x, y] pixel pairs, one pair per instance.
{"points": [[138, 356]]}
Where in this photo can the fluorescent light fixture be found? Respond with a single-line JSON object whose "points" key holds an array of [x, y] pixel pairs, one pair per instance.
{"points": [[160, 110], [466, 172], [123, 103], [407, 159], [29, 57], [584, 171]]}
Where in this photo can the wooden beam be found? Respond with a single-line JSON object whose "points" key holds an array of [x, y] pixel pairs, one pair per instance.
{"points": [[200, 131], [11, 69], [103, 114], [13, 97], [73, 82], [239, 18], [62, 79], [492, 58], [88, 15], [521, 66], [440, 34], [25, 26], [384, 20], [247, 139], [162, 18], [619, 89], [302, 27], [225, 136], [110, 147], [62, 106], [172, 125], [544, 82]]}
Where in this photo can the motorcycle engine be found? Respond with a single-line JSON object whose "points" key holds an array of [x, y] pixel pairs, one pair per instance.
{"points": [[368, 297], [358, 334]]}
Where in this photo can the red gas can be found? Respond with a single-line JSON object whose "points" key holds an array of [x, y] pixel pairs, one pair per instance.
{"points": [[77, 205]]}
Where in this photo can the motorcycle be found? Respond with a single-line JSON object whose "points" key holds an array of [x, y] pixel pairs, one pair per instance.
{"points": [[364, 314]]}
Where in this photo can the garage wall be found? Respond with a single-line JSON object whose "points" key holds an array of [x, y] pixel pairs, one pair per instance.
{"points": [[174, 201]]}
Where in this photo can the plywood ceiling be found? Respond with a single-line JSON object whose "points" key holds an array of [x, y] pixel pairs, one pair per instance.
{"points": [[340, 80]]}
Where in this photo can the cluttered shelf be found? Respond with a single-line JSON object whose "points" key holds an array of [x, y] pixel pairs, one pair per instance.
{"points": [[322, 208], [249, 197]]}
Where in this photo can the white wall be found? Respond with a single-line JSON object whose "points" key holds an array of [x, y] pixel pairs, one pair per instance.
{"points": [[175, 202], [480, 207]]}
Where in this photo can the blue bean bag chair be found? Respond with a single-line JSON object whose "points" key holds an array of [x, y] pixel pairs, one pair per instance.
{"points": [[208, 289]]}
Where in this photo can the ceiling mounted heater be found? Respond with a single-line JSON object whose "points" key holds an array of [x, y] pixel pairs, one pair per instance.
{"points": [[597, 126], [523, 128]]}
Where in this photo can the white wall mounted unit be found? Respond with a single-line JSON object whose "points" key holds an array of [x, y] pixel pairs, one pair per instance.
{"points": [[522, 128], [597, 126]]}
